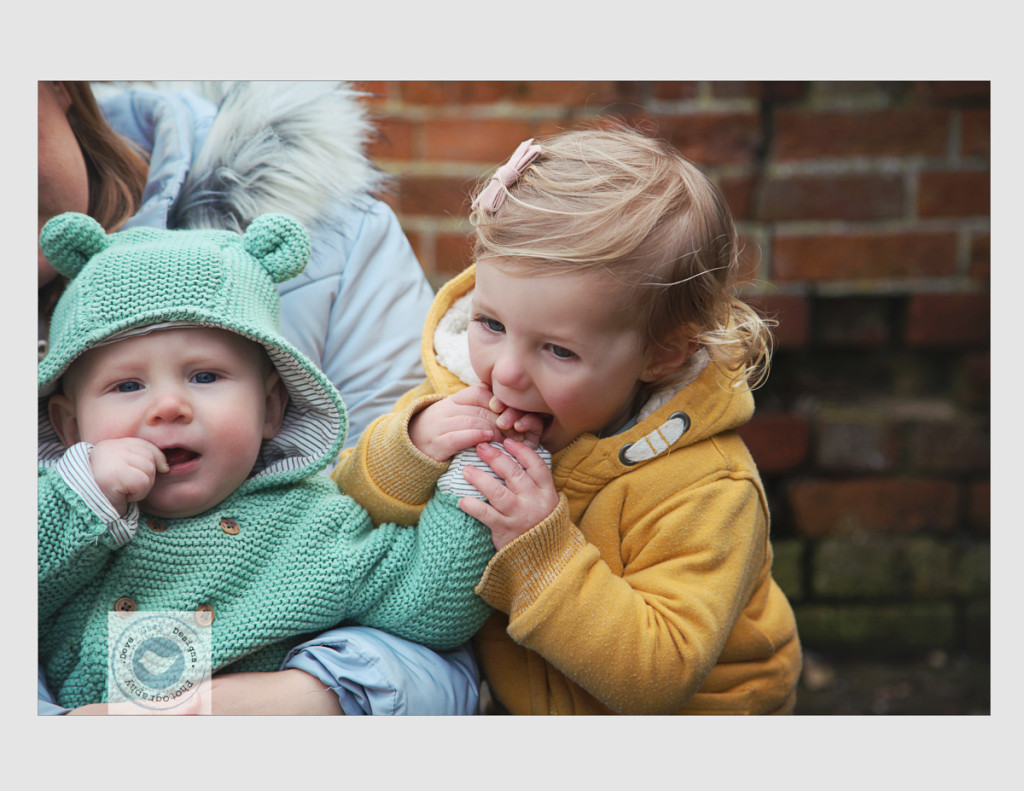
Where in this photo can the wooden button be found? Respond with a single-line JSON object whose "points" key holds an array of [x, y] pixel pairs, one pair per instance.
{"points": [[156, 525], [204, 614], [229, 526], [125, 604]]}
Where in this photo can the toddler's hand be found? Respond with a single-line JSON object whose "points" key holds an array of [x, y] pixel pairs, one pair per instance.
{"points": [[457, 422], [525, 499], [514, 424], [125, 469]]}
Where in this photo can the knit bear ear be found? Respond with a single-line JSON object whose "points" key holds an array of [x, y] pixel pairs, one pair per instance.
{"points": [[279, 243], [69, 240]]}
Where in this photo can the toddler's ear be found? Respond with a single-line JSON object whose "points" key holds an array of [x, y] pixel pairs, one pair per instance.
{"points": [[63, 418], [277, 400], [668, 356]]}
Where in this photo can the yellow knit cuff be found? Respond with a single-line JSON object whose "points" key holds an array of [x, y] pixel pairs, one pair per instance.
{"points": [[525, 567], [396, 466]]}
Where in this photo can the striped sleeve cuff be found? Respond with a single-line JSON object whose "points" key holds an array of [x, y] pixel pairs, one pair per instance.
{"points": [[454, 481], [76, 471]]}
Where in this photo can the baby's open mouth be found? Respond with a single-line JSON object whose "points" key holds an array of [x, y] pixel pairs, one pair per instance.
{"points": [[178, 456]]}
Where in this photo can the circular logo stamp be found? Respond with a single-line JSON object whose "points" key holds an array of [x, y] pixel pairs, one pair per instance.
{"points": [[157, 660]]}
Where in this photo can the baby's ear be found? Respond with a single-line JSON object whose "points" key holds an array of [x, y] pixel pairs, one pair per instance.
{"points": [[64, 419], [277, 401], [279, 243], [668, 355], [69, 240]]}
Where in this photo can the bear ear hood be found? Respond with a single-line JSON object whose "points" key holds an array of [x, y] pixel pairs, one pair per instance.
{"points": [[70, 240], [280, 244], [144, 280]]}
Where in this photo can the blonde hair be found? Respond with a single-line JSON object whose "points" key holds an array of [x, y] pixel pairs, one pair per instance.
{"points": [[630, 205]]}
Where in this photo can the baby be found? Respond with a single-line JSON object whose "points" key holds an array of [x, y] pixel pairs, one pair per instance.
{"points": [[181, 439]]}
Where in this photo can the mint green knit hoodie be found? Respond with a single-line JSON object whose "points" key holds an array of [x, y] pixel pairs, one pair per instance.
{"points": [[304, 556]]}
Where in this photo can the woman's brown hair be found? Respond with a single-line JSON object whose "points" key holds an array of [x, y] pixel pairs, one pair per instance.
{"points": [[117, 170]]}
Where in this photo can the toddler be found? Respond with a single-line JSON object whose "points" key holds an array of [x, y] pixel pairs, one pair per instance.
{"points": [[600, 317], [181, 439]]}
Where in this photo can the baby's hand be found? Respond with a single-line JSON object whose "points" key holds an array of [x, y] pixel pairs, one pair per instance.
{"points": [[125, 469], [457, 422], [514, 424], [525, 499]]}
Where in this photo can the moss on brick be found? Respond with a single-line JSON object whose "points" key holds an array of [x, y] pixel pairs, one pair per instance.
{"points": [[880, 630]]}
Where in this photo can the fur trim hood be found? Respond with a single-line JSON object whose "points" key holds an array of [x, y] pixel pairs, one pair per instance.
{"points": [[288, 147]]}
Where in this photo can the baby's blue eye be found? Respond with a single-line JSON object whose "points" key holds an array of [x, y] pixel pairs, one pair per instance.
{"points": [[128, 387], [561, 352], [204, 378], [492, 325]]}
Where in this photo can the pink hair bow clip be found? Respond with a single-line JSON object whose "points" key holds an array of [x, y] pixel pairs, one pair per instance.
{"points": [[493, 195]]}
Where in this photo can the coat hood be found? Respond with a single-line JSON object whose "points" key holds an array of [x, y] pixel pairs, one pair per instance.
{"points": [[223, 153], [700, 403], [147, 279]]}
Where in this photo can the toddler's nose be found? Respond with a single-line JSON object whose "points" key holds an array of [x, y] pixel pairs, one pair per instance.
{"points": [[509, 372]]}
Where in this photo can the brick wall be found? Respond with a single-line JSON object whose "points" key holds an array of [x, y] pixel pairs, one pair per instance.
{"points": [[865, 209]]}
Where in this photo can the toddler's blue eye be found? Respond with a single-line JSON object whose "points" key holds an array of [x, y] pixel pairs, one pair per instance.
{"points": [[204, 378], [493, 325], [561, 352], [128, 387]]}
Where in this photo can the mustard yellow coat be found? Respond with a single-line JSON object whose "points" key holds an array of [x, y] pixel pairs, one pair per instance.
{"points": [[648, 590]]}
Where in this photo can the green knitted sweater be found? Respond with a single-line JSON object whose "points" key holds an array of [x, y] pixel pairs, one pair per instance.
{"points": [[287, 554], [305, 557]]}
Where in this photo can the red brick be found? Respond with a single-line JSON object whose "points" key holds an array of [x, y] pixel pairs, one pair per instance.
{"points": [[792, 311], [975, 386], [873, 505], [738, 192], [949, 446], [713, 138], [954, 90], [423, 251], [778, 442], [454, 252], [981, 256], [979, 508], [449, 92], [853, 322], [857, 197], [464, 140], [669, 90], [394, 139], [563, 92], [804, 134], [977, 133], [863, 256], [771, 91], [436, 196], [948, 319], [954, 194]]}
